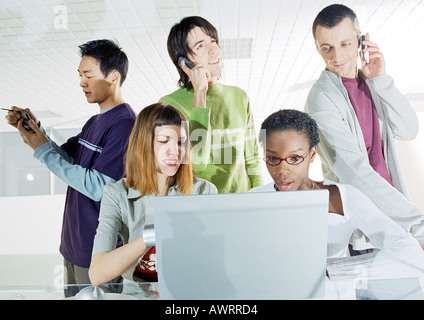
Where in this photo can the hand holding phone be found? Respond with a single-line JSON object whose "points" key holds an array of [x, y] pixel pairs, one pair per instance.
{"points": [[25, 116], [187, 62], [32, 135], [199, 79], [372, 59]]}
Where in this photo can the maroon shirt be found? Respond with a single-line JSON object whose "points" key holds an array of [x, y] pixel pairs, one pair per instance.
{"points": [[360, 98]]}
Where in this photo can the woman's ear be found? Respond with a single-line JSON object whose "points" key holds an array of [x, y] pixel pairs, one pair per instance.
{"points": [[313, 153]]}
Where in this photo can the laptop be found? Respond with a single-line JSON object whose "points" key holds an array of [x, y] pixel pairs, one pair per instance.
{"points": [[246, 246]]}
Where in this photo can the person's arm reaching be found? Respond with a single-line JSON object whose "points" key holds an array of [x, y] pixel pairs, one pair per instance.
{"points": [[88, 182]]}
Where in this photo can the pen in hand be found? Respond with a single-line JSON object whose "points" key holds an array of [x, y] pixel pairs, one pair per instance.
{"points": [[26, 118]]}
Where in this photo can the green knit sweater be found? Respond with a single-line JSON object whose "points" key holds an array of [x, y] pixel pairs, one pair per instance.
{"points": [[223, 137]]}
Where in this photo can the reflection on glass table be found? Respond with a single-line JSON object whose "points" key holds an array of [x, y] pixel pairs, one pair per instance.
{"points": [[376, 276], [378, 289], [122, 291]]}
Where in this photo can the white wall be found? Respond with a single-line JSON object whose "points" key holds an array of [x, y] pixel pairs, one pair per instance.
{"points": [[411, 156], [31, 225]]}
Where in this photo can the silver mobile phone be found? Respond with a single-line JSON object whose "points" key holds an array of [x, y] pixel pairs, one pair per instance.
{"points": [[364, 56]]}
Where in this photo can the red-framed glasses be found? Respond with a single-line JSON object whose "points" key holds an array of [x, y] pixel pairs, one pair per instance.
{"points": [[291, 159]]}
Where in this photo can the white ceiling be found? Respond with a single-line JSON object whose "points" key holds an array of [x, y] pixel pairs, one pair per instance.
{"points": [[39, 60]]}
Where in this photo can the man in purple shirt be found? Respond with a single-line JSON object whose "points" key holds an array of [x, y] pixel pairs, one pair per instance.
{"points": [[90, 160], [359, 114]]}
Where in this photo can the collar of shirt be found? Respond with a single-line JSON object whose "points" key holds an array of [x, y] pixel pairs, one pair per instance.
{"points": [[134, 194]]}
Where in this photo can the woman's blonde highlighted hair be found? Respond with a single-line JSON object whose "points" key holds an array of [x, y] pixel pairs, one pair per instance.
{"points": [[140, 159]]}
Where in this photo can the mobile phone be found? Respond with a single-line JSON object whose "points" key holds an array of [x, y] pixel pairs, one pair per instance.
{"points": [[26, 118], [188, 63], [364, 56]]}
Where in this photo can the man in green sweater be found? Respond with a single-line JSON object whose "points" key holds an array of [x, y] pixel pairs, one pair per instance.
{"points": [[222, 133]]}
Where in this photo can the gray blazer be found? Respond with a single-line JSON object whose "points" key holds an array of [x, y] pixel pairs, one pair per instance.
{"points": [[124, 211], [343, 152]]}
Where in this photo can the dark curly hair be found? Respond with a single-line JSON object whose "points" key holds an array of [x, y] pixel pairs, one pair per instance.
{"points": [[290, 119]]}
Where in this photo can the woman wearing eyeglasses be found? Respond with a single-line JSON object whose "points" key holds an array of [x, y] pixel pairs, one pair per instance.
{"points": [[289, 139]]}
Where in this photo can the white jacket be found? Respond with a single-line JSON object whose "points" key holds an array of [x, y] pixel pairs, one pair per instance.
{"points": [[343, 152]]}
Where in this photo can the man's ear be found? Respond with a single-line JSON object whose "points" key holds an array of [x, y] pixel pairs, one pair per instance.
{"points": [[115, 77]]}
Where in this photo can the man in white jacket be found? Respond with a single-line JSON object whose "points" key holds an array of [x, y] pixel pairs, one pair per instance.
{"points": [[359, 114]]}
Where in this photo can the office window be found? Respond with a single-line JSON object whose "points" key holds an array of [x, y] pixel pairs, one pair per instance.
{"points": [[23, 175]]}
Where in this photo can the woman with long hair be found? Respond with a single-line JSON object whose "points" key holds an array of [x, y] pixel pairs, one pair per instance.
{"points": [[157, 164]]}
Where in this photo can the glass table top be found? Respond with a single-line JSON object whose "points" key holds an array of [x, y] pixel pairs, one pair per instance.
{"points": [[376, 289], [122, 291]]}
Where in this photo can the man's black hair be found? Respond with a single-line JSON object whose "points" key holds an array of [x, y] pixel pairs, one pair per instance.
{"points": [[331, 16], [109, 55], [177, 43]]}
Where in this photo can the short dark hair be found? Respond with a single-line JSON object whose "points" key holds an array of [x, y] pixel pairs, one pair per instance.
{"points": [[177, 43], [109, 54], [332, 15], [290, 119]]}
